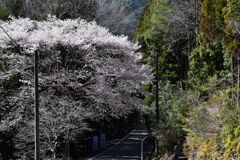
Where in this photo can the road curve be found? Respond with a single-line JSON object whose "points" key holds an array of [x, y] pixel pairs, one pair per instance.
{"points": [[129, 148]]}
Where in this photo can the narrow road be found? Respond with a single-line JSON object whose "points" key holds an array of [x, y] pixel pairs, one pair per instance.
{"points": [[129, 148]]}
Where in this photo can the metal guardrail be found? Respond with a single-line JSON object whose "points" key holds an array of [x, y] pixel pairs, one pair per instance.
{"points": [[142, 149]]}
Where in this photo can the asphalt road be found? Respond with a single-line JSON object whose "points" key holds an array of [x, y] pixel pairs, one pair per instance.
{"points": [[129, 148]]}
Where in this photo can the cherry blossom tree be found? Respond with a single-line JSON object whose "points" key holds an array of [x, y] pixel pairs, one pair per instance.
{"points": [[85, 73]]}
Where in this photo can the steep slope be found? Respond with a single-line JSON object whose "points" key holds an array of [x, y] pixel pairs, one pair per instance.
{"points": [[121, 17]]}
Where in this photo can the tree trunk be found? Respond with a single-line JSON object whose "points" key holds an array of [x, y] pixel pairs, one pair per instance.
{"points": [[232, 69], [67, 149], [157, 89], [54, 150], [238, 81]]}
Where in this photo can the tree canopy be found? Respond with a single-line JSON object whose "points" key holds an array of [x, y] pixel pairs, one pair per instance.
{"points": [[86, 73]]}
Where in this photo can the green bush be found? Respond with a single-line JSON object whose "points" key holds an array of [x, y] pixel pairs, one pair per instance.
{"points": [[4, 13]]}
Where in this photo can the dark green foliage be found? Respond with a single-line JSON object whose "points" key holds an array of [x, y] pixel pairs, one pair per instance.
{"points": [[206, 60], [4, 10], [16, 7], [155, 35], [174, 108], [4, 13], [198, 115], [11, 7], [212, 18]]}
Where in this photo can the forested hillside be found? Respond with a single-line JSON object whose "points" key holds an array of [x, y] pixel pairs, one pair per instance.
{"points": [[198, 47], [121, 17]]}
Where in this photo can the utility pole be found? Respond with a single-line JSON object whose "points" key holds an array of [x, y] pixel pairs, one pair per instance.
{"points": [[196, 16], [36, 108], [157, 100], [157, 89]]}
